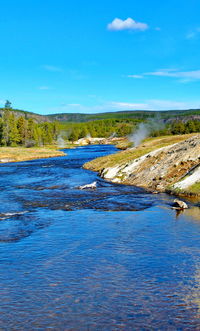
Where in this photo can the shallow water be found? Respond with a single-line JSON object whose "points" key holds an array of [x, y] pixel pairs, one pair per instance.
{"points": [[114, 258]]}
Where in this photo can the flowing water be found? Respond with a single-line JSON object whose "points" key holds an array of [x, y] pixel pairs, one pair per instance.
{"points": [[113, 258]]}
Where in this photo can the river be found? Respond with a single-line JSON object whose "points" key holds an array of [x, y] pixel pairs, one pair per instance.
{"points": [[114, 258]]}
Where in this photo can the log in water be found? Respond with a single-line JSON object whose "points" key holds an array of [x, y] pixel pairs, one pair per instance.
{"points": [[110, 258]]}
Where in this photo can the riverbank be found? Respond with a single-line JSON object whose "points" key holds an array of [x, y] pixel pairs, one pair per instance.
{"points": [[120, 142], [157, 164], [17, 154]]}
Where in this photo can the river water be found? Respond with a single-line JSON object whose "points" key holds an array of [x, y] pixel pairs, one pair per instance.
{"points": [[114, 258]]}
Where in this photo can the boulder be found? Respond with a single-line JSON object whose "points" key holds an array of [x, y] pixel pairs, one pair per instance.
{"points": [[178, 204]]}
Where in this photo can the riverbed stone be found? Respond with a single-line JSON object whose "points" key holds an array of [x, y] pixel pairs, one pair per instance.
{"points": [[179, 204]]}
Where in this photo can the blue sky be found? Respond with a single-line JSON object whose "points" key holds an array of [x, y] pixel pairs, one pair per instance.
{"points": [[88, 56]]}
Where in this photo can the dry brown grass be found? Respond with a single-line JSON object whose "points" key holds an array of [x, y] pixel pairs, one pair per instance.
{"points": [[131, 154], [17, 154]]}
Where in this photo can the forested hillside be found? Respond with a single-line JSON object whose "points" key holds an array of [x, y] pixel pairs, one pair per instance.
{"points": [[121, 115], [127, 127], [17, 130], [18, 127], [26, 114], [99, 128]]}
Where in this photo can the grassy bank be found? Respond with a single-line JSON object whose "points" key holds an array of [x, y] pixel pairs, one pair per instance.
{"points": [[17, 154], [131, 154], [159, 171], [192, 191]]}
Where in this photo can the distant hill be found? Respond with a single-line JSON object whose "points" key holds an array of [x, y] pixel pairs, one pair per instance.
{"points": [[168, 115], [27, 114], [143, 114]]}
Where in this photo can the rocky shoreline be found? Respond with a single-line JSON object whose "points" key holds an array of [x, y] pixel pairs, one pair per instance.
{"points": [[174, 169]]}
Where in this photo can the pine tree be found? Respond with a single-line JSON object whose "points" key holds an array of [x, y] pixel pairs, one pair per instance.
{"points": [[6, 128], [30, 133], [83, 132], [74, 135], [47, 135], [14, 137], [7, 105], [22, 130], [1, 130], [55, 130], [37, 135]]}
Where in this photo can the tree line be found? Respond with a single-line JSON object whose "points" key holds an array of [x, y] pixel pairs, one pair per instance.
{"points": [[178, 127], [19, 131], [122, 128], [99, 128]]}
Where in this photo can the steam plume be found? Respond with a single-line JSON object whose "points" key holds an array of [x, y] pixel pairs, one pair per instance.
{"points": [[60, 142], [145, 129]]}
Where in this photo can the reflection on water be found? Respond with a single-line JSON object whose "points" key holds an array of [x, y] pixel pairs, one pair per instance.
{"points": [[114, 258], [193, 298], [193, 213]]}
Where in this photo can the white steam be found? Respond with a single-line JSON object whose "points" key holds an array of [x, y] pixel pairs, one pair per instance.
{"points": [[113, 135], [144, 130], [140, 134], [60, 142]]}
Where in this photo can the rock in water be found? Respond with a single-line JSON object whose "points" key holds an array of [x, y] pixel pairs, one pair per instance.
{"points": [[92, 186], [178, 204]]}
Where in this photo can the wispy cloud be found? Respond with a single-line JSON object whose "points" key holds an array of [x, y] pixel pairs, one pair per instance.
{"points": [[51, 68], [184, 76], [153, 104], [167, 104], [163, 72], [129, 24], [193, 34], [44, 88], [135, 76], [126, 105]]}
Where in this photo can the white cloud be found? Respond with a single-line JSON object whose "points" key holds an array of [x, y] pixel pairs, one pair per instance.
{"points": [[51, 68], [126, 105], [111, 106], [135, 76], [154, 104], [129, 24], [185, 76], [167, 104]]}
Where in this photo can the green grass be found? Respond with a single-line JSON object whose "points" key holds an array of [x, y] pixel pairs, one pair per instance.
{"points": [[195, 188]]}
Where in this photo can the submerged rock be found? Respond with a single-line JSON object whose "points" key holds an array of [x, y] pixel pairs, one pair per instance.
{"points": [[87, 186], [178, 204]]}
